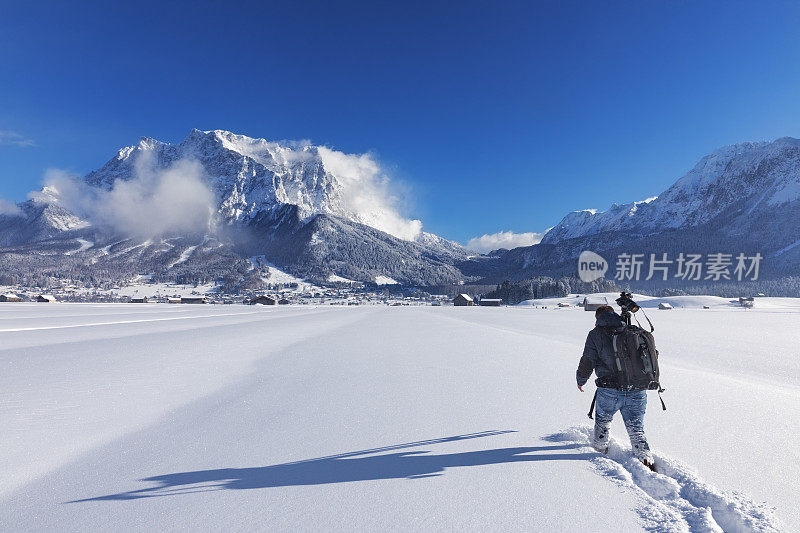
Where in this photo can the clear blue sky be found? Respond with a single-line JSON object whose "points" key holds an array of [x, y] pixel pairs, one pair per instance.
{"points": [[501, 116]]}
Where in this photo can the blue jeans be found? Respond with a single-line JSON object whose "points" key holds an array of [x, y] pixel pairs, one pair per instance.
{"points": [[632, 405]]}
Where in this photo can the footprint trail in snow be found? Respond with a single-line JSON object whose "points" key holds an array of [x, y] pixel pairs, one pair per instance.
{"points": [[675, 498]]}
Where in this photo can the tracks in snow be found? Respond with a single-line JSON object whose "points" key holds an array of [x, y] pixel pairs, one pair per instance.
{"points": [[133, 321], [675, 498]]}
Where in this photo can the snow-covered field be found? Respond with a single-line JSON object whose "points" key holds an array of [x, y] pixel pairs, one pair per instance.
{"points": [[155, 417], [677, 302]]}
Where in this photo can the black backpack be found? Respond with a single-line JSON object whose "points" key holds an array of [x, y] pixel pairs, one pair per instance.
{"points": [[636, 358], [636, 361]]}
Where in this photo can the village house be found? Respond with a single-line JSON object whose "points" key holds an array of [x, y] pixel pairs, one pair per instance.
{"points": [[10, 297], [491, 302], [463, 299], [592, 303], [193, 300], [46, 298], [263, 300]]}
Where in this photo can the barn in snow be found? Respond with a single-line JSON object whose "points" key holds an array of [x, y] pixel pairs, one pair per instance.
{"points": [[10, 297], [591, 303], [46, 298], [263, 300], [463, 299], [491, 302]]}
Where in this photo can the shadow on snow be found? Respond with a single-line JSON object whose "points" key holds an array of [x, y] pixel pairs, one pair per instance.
{"points": [[347, 467]]}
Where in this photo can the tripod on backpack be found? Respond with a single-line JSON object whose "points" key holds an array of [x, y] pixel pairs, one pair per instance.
{"points": [[629, 307]]}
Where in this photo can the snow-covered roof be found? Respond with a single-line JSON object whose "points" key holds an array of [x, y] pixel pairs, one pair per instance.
{"points": [[466, 297], [591, 299]]}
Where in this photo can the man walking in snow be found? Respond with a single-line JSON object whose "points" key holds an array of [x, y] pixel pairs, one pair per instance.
{"points": [[598, 356]]}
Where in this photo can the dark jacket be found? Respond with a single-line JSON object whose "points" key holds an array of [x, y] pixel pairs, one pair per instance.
{"points": [[598, 354]]}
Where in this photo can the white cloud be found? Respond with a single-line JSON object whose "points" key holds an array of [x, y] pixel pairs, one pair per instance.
{"points": [[12, 138], [9, 208], [503, 239], [153, 203], [369, 194]]}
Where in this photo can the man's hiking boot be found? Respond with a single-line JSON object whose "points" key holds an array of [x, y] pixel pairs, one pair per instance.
{"points": [[601, 448], [649, 463]]}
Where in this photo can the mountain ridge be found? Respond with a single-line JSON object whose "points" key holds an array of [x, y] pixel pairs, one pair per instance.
{"points": [[290, 199], [698, 196], [739, 198], [316, 213]]}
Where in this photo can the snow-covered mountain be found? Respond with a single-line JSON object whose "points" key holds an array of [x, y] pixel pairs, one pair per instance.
{"points": [[740, 198], [248, 176], [37, 221], [310, 209], [732, 183], [200, 208]]}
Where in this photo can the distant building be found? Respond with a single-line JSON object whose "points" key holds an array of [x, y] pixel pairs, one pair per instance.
{"points": [[592, 303], [563, 304], [46, 298], [463, 299], [263, 300], [139, 300], [173, 300], [193, 300], [491, 302], [664, 305], [747, 302], [10, 297], [283, 301]]}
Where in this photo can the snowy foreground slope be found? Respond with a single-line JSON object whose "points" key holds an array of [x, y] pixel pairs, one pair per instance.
{"points": [[133, 417]]}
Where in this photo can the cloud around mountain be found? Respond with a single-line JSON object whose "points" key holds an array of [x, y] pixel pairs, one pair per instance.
{"points": [[503, 239], [369, 193], [9, 208], [153, 203]]}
